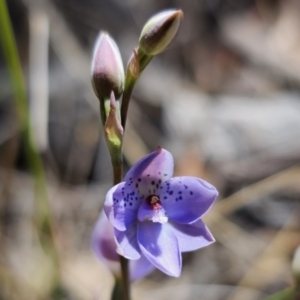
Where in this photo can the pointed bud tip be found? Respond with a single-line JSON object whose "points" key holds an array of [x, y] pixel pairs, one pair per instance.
{"points": [[160, 31], [179, 13]]}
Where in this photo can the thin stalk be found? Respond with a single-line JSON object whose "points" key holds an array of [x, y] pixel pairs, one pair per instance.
{"points": [[42, 215], [125, 277], [130, 81], [117, 292], [129, 85], [121, 288], [118, 177], [139, 63]]}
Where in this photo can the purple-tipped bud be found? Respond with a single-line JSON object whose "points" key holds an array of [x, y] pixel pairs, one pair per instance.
{"points": [[107, 68], [160, 31]]}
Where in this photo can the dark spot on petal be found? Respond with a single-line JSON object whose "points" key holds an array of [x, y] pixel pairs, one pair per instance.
{"points": [[148, 175], [165, 174], [139, 180], [180, 198], [165, 197], [180, 192], [171, 193], [186, 186], [152, 182], [191, 193], [137, 185]]}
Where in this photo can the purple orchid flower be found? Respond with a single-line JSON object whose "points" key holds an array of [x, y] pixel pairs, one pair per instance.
{"points": [[156, 216]]}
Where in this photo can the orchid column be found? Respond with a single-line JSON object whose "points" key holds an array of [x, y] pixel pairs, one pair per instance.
{"points": [[110, 83]]}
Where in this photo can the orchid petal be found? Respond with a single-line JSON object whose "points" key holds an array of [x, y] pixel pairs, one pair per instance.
{"points": [[192, 236], [186, 199], [160, 246], [121, 205], [103, 242], [140, 268], [127, 245], [150, 172]]}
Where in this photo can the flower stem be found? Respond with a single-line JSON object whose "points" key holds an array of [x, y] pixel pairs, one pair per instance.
{"points": [[118, 177], [117, 158], [125, 277], [118, 289], [130, 81], [129, 85]]}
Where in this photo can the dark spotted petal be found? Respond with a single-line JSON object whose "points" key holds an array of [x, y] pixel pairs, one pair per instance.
{"points": [[186, 199], [121, 205], [150, 172]]}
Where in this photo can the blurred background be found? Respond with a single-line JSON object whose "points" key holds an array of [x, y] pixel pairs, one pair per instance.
{"points": [[224, 99]]}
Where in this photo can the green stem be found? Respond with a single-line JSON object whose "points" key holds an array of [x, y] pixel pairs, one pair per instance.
{"points": [[118, 177], [115, 151], [117, 293], [42, 216], [129, 85], [130, 81], [125, 277]]}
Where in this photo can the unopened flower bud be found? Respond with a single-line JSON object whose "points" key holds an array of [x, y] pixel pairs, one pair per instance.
{"points": [[160, 31], [107, 68]]}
